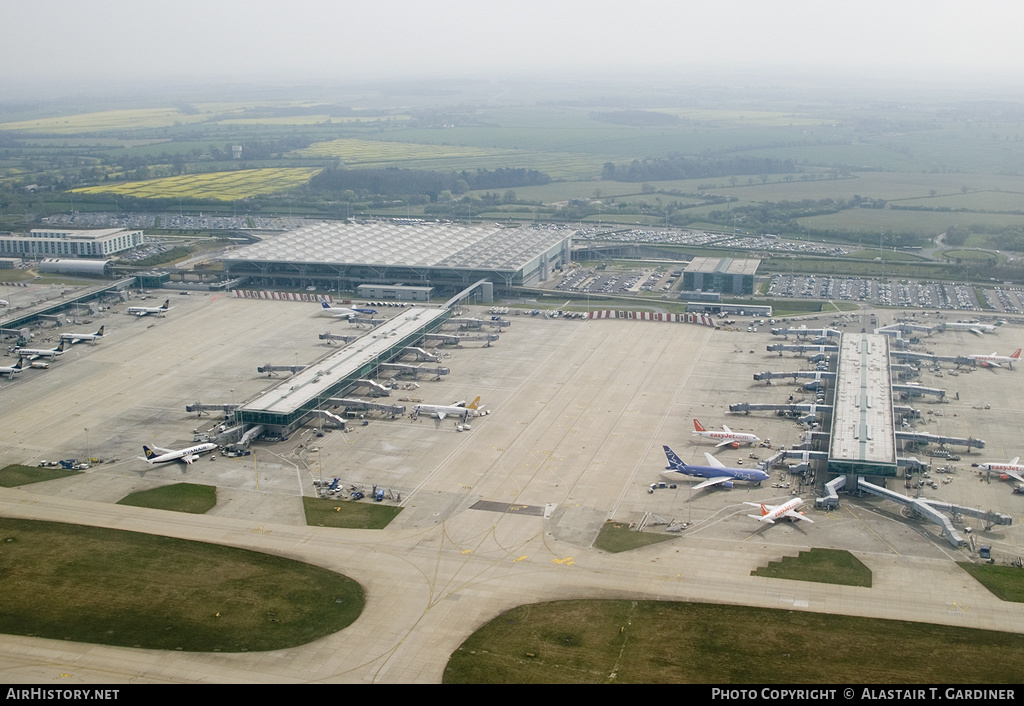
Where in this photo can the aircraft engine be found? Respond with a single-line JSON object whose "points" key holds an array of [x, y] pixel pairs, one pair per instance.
{"points": [[725, 484]]}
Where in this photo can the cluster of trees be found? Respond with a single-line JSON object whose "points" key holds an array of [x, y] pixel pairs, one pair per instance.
{"points": [[415, 185], [677, 166], [636, 118]]}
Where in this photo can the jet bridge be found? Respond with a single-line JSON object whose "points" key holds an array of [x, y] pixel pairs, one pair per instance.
{"points": [[351, 403], [454, 340], [328, 336], [919, 390], [930, 510], [920, 437], [801, 332], [271, 369], [801, 348], [407, 369], [461, 322], [199, 407]]}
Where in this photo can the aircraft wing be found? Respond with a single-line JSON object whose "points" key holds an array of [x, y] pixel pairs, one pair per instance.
{"points": [[712, 461], [794, 515], [712, 481], [725, 443], [1015, 475], [441, 414], [975, 331], [763, 518]]}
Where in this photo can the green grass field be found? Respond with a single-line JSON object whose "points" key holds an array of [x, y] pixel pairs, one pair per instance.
{"points": [[618, 537], [821, 566], [649, 642], [1006, 582], [179, 497], [106, 586], [15, 475], [349, 514]]}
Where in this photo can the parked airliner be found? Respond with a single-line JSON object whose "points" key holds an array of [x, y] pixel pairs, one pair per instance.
{"points": [[147, 310], [726, 437], [33, 353], [184, 455], [996, 361], [458, 409], [10, 370], [76, 337], [716, 472], [788, 509], [338, 312], [1013, 469]]}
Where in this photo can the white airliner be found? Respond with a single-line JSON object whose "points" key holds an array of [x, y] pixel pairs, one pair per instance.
{"points": [[33, 353], [458, 409], [974, 327], [10, 370], [147, 310], [770, 513], [726, 437], [76, 337], [184, 455], [339, 312], [996, 361], [1013, 469]]}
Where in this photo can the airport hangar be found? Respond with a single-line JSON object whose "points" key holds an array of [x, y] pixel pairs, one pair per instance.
{"points": [[340, 256]]}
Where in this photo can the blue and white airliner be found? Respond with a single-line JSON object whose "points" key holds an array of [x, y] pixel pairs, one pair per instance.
{"points": [[716, 472]]}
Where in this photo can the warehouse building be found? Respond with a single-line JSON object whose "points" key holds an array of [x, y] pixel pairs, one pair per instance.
{"points": [[720, 274], [340, 256]]}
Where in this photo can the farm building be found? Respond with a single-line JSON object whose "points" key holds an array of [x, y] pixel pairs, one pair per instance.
{"points": [[339, 256]]}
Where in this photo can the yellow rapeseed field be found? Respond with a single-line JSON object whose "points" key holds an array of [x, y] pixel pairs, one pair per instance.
{"points": [[225, 186]]}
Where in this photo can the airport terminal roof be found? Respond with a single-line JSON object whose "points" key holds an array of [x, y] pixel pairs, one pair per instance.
{"points": [[438, 245], [862, 424]]}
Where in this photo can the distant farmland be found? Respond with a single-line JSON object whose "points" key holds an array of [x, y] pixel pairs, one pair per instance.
{"points": [[223, 186], [415, 155]]}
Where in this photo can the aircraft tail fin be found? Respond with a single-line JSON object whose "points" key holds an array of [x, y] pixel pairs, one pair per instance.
{"points": [[19, 365], [325, 305], [674, 462], [1016, 354], [100, 332], [166, 304], [474, 404], [149, 453], [697, 426]]}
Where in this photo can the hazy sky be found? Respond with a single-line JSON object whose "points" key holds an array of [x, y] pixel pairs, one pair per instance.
{"points": [[71, 40]]}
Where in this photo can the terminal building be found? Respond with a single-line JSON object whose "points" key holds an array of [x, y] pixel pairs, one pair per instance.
{"points": [[283, 409], [720, 274], [863, 435], [64, 243], [340, 256]]}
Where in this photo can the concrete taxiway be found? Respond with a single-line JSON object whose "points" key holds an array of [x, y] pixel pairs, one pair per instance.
{"points": [[494, 517]]}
